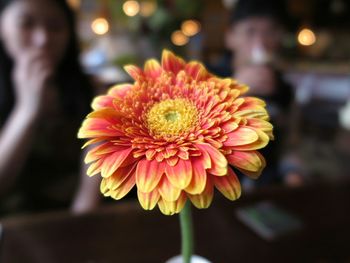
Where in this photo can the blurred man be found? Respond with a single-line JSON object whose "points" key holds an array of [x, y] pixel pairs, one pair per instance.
{"points": [[254, 38]]}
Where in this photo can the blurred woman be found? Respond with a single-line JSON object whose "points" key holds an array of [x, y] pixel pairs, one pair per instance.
{"points": [[43, 97]]}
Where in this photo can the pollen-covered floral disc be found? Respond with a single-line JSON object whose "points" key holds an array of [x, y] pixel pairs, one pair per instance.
{"points": [[176, 133]]}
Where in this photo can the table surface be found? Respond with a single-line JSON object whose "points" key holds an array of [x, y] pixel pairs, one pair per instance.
{"points": [[123, 232]]}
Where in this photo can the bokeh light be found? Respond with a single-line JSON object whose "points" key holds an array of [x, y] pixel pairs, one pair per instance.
{"points": [[306, 37], [148, 8], [100, 26], [75, 4], [190, 27], [178, 38], [131, 8]]}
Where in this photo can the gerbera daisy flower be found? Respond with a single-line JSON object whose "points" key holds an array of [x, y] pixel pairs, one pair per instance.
{"points": [[177, 133]]}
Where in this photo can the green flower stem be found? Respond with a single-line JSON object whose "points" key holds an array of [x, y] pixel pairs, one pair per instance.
{"points": [[186, 233]]}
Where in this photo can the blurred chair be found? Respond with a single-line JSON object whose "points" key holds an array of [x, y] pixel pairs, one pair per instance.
{"points": [[320, 96]]}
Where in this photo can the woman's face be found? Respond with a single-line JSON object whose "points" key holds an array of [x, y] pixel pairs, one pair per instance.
{"points": [[34, 26]]}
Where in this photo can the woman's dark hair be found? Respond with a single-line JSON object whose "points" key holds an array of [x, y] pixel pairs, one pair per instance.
{"points": [[74, 87]]}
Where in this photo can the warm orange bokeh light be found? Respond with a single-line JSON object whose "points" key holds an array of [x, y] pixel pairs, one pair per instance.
{"points": [[148, 8], [306, 37], [190, 27], [75, 4], [131, 8], [178, 38], [100, 26]]}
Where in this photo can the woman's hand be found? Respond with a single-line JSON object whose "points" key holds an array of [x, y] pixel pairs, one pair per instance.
{"points": [[31, 77]]}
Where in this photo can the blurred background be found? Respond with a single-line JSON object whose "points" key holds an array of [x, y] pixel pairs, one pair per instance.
{"points": [[314, 59], [118, 32], [294, 54]]}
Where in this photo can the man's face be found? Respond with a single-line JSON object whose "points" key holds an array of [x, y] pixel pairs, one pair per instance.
{"points": [[253, 37]]}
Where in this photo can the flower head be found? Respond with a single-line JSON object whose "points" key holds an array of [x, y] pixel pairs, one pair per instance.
{"points": [[176, 133]]}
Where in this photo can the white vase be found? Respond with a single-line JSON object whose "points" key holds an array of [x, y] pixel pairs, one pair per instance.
{"points": [[194, 259]]}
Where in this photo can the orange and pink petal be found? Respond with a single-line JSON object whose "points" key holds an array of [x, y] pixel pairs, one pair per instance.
{"points": [[249, 160], [148, 175], [135, 72], [228, 185], [180, 175], [148, 200], [167, 190], [172, 63], [218, 160], [171, 208], [196, 70], [112, 162], [261, 142], [204, 199], [199, 177], [123, 189], [241, 136], [255, 174], [153, 69], [119, 176]]}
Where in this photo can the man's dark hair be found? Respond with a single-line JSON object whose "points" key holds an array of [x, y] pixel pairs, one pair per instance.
{"points": [[273, 9]]}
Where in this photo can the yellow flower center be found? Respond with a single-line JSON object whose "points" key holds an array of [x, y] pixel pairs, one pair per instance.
{"points": [[171, 117]]}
